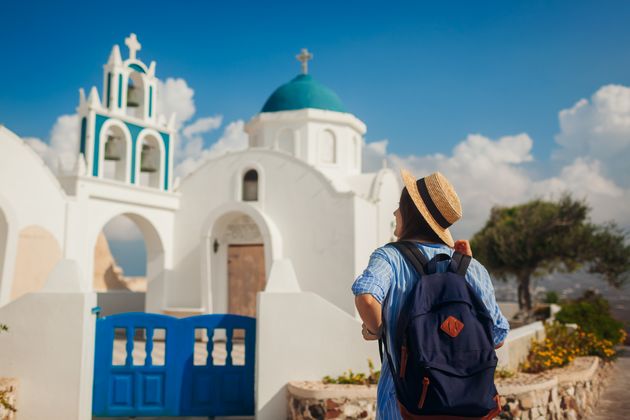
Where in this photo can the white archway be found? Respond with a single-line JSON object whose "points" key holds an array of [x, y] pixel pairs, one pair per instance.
{"points": [[155, 257], [111, 129], [151, 138], [214, 264]]}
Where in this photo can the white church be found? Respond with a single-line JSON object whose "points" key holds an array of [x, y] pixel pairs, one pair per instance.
{"points": [[296, 197]]}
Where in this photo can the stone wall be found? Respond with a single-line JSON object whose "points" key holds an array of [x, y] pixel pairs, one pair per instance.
{"points": [[565, 393], [9, 385], [316, 401]]}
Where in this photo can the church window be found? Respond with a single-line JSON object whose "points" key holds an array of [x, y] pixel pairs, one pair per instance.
{"points": [[250, 186], [327, 147]]}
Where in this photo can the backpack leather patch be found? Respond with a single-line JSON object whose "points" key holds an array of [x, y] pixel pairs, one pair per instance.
{"points": [[452, 326]]}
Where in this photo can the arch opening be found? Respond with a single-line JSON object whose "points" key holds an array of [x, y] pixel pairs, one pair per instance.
{"points": [[135, 95], [115, 156], [250, 185], [151, 162], [237, 264], [128, 255]]}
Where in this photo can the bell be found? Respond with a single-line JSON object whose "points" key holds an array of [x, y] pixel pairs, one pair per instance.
{"points": [[113, 148], [133, 96], [149, 159]]}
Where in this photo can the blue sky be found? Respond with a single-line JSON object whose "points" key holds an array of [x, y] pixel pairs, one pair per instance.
{"points": [[423, 75]]}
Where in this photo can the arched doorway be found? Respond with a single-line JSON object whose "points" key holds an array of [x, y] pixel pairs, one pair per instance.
{"points": [[128, 255], [237, 264]]}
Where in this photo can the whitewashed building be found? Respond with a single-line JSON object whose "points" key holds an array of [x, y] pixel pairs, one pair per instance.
{"points": [[297, 194]]}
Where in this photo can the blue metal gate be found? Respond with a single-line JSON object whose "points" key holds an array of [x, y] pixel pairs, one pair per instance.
{"points": [[180, 383]]}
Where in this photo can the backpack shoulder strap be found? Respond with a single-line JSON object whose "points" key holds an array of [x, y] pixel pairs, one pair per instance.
{"points": [[460, 263], [412, 254]]}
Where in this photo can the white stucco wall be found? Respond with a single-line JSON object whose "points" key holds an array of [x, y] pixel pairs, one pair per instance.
{"points": [[50, 348], [301, 336], [29, 195], [310, 221]]}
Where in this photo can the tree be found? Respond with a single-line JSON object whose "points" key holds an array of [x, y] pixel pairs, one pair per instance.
{"points": [[541, 237]]}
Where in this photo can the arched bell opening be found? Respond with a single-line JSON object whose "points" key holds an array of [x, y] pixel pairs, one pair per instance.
{"points": [[135, 95], [115, 154], [151, 161]]}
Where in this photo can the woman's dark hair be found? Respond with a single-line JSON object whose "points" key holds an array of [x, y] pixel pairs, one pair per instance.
{"points": [[414, 225]]}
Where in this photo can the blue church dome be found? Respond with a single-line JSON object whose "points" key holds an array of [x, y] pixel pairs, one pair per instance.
{"points": [[303, 92]]}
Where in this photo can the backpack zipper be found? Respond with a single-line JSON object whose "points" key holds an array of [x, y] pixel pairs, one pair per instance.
{"points": [[425, 387]]}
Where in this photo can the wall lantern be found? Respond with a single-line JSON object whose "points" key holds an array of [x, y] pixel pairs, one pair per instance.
{"points": [[215, 246]]}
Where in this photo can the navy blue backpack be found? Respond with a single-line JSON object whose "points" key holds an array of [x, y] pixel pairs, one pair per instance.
{"points": [[446, 356]]}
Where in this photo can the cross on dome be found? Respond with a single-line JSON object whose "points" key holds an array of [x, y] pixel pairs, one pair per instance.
{"points": [[134, 46], [304, 57]]}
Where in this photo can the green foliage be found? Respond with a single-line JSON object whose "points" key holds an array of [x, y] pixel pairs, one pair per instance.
{"points": [[352, 378], [592, 313], [552, 297], [500, 373], [541, 237]]}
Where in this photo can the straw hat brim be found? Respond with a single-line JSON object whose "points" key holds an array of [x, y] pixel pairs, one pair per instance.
{"points": [[412, 187]]}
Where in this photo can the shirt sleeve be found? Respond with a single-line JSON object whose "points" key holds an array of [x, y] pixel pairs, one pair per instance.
{"points": [[376, 278], [478, 277]]}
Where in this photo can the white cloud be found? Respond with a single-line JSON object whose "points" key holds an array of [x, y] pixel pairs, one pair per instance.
{"points": [[202, 125], [598, 129], [175, 96], [233, 138], [489, 172], [61, 153], [484, 172]]}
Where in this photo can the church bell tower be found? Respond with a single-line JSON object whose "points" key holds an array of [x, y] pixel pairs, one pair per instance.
{"points": [[122, 137]]}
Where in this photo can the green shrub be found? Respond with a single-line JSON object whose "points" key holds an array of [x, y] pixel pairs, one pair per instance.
{"points": [[552, 297], [352, 378], [592, 313]]}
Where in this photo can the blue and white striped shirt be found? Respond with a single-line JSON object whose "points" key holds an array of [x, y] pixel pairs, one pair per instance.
{"points": [[386, 272]]}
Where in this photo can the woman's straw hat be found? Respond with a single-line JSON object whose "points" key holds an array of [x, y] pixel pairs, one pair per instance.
{"points": [[436, 200]]}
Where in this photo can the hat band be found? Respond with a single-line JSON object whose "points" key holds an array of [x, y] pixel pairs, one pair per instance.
{"points": [[426, 197]]}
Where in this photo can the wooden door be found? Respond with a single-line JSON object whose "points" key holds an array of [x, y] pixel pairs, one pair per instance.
{"points": [[246, 277]]}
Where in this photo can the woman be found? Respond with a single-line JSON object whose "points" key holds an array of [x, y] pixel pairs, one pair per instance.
{"points": [[427, 208]]}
